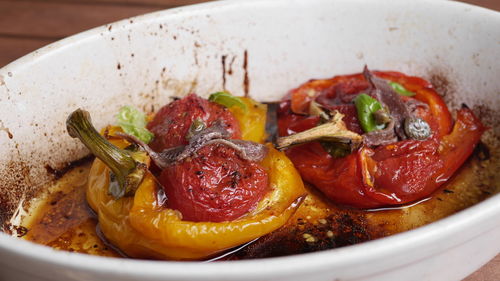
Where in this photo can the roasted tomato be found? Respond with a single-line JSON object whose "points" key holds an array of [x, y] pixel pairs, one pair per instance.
{"points": [[172, 122], [215, 185], [392, 174]]}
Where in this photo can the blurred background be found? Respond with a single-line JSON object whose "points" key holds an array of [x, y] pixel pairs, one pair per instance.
{"points": [[26, 25]]}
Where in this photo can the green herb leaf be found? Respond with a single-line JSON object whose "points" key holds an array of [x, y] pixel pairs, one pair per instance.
{"points": [[133, 122], [227, 100], [400, 89], [366, 107]]}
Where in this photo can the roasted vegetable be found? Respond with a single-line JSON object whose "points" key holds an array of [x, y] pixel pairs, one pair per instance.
{"points": [[150, 225], [406, 161], [367, 107]]}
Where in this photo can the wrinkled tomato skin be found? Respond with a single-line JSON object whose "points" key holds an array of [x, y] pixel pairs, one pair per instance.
{"points": [[394, 174], [403, 169], [215, 185], [412, 170], [172, 122]]}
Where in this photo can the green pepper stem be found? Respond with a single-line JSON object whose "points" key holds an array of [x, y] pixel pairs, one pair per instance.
{"points": [[126, 170]]}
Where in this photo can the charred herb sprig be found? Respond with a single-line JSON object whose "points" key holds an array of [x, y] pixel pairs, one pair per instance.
{"points": [[332, 131]]}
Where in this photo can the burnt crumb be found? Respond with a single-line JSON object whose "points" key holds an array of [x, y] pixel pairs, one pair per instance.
{"points": [[110, 27], [118, 66], [448, 191], [482, 152], [52, 171], [20, 230]]}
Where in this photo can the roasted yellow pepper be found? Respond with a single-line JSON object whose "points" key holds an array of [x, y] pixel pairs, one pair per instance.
{"points": [[252, 121], [141, 228]]}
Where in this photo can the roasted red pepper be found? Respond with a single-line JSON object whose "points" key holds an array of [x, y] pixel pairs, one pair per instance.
{"points": [[394, 174]]}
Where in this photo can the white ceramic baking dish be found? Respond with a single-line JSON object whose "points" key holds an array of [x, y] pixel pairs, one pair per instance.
{"points": [[276, 45]]}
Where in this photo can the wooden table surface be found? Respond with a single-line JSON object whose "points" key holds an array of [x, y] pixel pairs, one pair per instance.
{"points": [[26, 25]]}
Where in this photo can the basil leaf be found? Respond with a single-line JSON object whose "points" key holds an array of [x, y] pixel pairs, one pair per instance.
{"points": [[400, 89], [227, 100], [366, 106], [133, 122]]}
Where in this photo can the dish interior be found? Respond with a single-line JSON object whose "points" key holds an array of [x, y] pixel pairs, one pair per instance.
{"points": [[145, 61]]}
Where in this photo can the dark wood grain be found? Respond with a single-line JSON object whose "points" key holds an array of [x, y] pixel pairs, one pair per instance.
{"points": [[158, 3], [54, 20], [16, 47]]}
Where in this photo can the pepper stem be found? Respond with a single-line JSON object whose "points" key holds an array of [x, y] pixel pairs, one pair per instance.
{"points": [[128, 172], [332, 131]]}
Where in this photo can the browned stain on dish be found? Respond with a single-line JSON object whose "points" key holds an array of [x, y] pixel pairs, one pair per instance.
{"points": [[58, 173], [246, 80], [64, 221], [223, 62], [15, 185]]}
